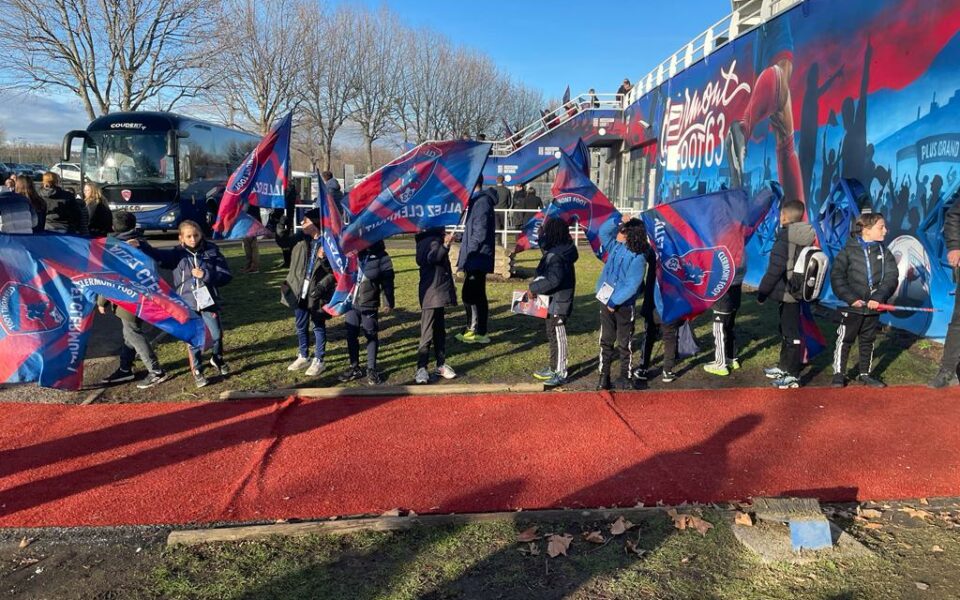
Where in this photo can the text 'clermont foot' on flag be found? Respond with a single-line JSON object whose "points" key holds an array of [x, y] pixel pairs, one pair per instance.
{"points": [[425, 188], [699, 242], [261, 180], [50, 289]]}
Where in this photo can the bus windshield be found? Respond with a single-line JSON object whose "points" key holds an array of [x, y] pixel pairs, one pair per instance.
{"points": [[127, 157]]}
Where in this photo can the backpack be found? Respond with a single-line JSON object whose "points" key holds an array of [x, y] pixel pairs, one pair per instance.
{"points": [[805, 280]]}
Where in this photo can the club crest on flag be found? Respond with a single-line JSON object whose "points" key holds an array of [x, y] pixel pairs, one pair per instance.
{"points": [[705, 272], [24, 309], [126, 195], [422, 164]]}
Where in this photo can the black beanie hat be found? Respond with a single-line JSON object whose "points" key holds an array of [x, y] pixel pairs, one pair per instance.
{"points": [[314, 215]]}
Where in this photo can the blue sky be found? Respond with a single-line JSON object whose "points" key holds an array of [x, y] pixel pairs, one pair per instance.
{"points": [[546, 44]]}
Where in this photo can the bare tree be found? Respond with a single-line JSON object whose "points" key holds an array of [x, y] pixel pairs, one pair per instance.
{"points": [[254, 68], [109, 53], [378, 71], [329, 73]]}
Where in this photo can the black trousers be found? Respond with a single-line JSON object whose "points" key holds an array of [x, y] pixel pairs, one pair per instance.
{"points": [[616, 333], [475, 299], [791, 347], [367, 321], [724, 320], [557, 336], [854, 326], [951, 345], [432, 332], [670, 332]]}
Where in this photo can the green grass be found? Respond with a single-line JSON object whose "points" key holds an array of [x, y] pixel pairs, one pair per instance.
{"points": [[482, 561], [260, 340]]}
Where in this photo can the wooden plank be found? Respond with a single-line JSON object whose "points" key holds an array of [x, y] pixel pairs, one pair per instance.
{"points": [[388, 390], [787, 509], [192, 537]]}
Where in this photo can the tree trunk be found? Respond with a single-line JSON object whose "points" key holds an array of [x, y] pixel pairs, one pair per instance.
{"points": [[369, 141]]}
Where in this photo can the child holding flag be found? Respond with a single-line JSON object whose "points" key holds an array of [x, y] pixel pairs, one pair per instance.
{"points": [[864, 275], [199, 269], [794, 235], [309, 285], [555, 277], [376, 278], [617, 289]]}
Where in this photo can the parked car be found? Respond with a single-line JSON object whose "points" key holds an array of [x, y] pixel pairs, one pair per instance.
{"points": [[38, 171], [67, 171], [6, 170]]}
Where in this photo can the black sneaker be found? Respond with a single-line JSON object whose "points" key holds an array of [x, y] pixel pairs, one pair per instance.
{"points": [[838, 381], [668, 376], [374, 377], [118, 376], [869, 381], [641, 374], [199, 379], [152, 379], [352, 374], [221, 367], [943, 379], [604, 383]]}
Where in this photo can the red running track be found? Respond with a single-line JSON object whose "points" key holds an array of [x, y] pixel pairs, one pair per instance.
{"points": [[253, 460]]}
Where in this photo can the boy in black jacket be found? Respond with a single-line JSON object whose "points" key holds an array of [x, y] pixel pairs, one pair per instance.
{"points": [[376, 277], [793, 236], [947, 375], [437, 291], [555, 277], [864, 275], [309, 285]]}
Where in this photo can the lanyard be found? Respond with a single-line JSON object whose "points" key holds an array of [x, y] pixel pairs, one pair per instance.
{"points": [[866, 246]]}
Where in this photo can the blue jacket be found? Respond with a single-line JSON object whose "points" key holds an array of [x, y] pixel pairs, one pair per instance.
{"points": [[624, 271], [181, 261], [479, 233]]}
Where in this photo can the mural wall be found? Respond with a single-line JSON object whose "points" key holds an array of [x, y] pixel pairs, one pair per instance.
{"points": [[861, 89]]}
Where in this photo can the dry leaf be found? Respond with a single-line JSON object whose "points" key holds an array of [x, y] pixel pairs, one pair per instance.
{"points": [[528, 535], [620, 526], [558, 545], [631, 546], [743, 518], [921, 585], [924, 502], [393, 512], [638, 505], [685, 559], [534, 549], [873, 526], [25, 542], [594, 537], [691, 521], [871, 513], [916, 514], [936, 549]]}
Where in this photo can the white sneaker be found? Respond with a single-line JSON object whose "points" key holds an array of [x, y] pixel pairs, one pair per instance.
{"points": [[315, 368], [422, 376], [446, 371], [300, 363]]}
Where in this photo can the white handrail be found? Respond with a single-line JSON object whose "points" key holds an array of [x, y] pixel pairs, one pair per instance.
{"points": [[555, 117], [725, 30]]}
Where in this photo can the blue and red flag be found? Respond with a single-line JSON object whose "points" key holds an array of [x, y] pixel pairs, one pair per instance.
{"points": [[425, 188], [699, 242], [810, 335], [566, 95], [345, 269], [530, 232], [49, 290], [261, 180]]}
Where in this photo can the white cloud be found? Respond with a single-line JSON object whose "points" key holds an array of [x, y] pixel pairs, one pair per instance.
{"points": [[40, 119]]}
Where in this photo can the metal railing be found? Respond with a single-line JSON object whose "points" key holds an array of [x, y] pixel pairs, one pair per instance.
{"points": [[725, 30], [558, 116]]}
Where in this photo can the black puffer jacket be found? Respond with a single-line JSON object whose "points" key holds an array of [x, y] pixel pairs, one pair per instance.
{"points": [[478, 244], [557, 278], [790, 240], [436, 276], [648, 308], [65, 213], [848, 275], [951, 226], [378, 278]]}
